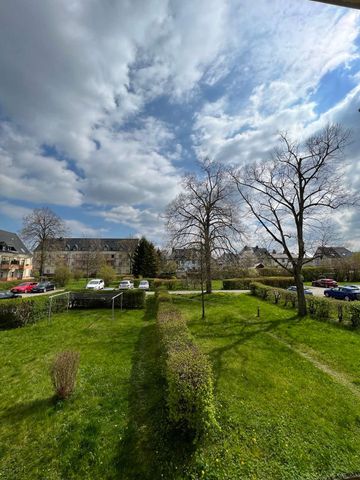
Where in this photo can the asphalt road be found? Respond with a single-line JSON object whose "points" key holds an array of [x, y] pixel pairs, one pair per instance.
{"points": [[25, 295]]}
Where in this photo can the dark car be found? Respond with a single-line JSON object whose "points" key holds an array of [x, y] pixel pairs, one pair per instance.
{"points": [[43, 287], [7, 295], [343, 293], [307, 291], [325, 283]]}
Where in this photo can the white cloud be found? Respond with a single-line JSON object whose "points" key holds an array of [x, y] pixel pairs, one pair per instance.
{"points": [[77, 75], [80, 229], [16, 212]]}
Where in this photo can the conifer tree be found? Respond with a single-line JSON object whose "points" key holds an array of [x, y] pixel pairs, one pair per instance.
{"points": [[145, 260]]}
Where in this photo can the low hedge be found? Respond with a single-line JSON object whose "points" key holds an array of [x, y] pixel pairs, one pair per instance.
{"points": [[244, 283], [187, 371], [328, 309], [131, 299], [19, 312]]}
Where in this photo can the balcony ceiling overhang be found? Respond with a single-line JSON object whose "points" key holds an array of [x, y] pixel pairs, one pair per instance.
{"points": [[348, 3]]}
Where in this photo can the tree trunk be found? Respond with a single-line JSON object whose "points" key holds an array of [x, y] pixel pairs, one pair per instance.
{"points": [[42, 260], [302, 309], [208, 268]]}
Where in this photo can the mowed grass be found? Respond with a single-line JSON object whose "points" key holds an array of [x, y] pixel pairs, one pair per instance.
{"points": [[80, 437], [280, 416]]}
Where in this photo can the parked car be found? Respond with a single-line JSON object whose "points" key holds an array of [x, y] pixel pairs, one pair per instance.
{"points": [[307, 291], [96, 284], [7, 294], [144, 285], [126, 285], [43, 287], [25, 287], [343, 293], [325, 283]]}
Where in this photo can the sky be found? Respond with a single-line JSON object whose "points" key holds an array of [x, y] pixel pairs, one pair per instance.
{"points": [[105, 105]]}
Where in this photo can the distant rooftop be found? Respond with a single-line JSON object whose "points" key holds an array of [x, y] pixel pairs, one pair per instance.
{"points": [[340, 3], [11, 243], [88, 244]]}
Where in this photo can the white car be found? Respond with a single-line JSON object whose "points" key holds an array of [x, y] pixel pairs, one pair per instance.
{"points": [[126, 285], [144, 285], [96, 284]]}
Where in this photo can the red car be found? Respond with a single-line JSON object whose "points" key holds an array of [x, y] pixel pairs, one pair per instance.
{"points": [[25, 287], [324, 282]]}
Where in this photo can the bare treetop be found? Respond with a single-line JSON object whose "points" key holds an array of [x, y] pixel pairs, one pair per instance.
{"points": [[204, 216], [291, 194], [40, 226]]}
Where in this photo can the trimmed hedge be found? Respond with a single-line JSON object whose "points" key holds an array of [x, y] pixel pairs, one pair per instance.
{"points": [[328, 309], [187, 371], [19, 312], [244, 283], [131, 299]]}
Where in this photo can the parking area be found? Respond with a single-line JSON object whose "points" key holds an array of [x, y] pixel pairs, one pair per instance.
{"points": [[50, 292], [317, 291]]}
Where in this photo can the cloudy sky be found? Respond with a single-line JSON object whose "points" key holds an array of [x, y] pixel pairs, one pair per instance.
{"points": [[105, 104]]}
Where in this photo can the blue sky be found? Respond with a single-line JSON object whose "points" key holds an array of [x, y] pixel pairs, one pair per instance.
{"points": [[104, 105]]}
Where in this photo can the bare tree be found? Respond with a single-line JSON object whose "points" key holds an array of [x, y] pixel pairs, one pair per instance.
{"points": [[291, 194], [39, 227], [203, 217], [92, 259]]}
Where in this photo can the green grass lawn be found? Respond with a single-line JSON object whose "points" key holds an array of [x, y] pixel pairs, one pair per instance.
{"points": [[78, 438], [281, 417]]}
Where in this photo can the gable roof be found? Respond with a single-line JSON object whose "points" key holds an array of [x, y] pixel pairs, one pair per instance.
{"points": [[333, 252], [11, 243], [88, 244]]}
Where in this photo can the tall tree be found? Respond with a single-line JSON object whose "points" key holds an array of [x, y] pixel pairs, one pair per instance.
{"points": [[290, 194], [145, 259], [203, 216], [92, 259], [39, 227]]}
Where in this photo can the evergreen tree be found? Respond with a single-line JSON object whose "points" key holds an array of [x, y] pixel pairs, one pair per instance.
{"points": [[145, 260]]}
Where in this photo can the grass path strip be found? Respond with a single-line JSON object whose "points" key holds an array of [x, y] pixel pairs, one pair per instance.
{"points": [[337, 376]]}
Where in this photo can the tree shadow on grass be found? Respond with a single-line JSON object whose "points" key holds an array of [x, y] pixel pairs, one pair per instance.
{"points": [[246, 331], [150, 449], [21, 411]]}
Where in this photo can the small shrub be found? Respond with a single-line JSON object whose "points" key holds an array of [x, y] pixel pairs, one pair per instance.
{"points": [[78, 274], [107, 273], [62, 275], [63, 373], [355, 315]]}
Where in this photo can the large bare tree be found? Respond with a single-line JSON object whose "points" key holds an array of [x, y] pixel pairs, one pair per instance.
{"points": [[39, 227], [291, 194], [203, 216]]}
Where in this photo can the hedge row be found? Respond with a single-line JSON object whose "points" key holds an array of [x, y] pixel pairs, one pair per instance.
{"points": [[244, 283], [130, 299], [187, 371], [20, 312], [347, 313]]}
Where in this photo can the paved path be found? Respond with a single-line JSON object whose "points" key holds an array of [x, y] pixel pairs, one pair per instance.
{"points": [[50, 292], [308, 355], [192, 292]]}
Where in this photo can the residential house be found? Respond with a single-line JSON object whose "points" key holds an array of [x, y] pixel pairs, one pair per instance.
{"points": [[250, 257], [326, 254], [187, 259], [88, 254], [15, 258]]}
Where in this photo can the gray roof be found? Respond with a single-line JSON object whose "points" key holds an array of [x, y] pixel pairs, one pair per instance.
{"points": [[11, 243], [88, 244], [333, 252]]}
